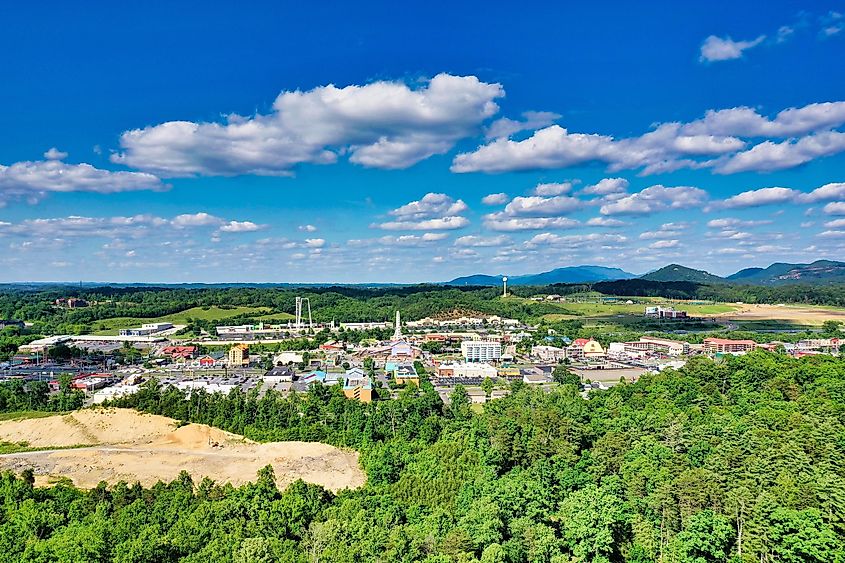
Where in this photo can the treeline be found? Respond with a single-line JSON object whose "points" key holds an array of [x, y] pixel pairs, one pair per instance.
{"points": [[727, 293], [739, 460]]}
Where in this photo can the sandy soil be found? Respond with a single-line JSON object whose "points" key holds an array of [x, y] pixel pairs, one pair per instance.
{"points": [[786, 313], [130, 446]]}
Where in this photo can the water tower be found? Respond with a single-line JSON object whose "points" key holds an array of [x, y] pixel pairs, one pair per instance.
{"points": [[504, 286]]}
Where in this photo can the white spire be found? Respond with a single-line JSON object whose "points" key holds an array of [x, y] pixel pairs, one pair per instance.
{"points": [[397, 331]]}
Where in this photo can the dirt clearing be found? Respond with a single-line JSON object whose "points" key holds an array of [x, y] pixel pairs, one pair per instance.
{"points": [[787, 313], [124, 445]]}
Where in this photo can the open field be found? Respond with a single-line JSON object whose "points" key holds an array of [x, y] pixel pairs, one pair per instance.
{"points": [[786, 314], [113, 325], [587, 310], [123, 445]]}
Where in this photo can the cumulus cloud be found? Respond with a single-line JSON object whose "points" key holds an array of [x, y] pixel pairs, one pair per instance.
{"points": [[656, 198], [495, 199], [607, 186], [32, 180], [780, 195], [505, 127], [666, 231], [835, 208], [507, 223], [433, 212], [756, 198], [731, 222], [121, 227], [431, 205], [536, 206], [307, 228], [55, 154], [606, 222], [724, 48], [662, 244], [553, 189], [480, 241], [382, 125], [747, 122], [556, 147], [835, 224], [576, 241], [769, 156], [718, 141]]}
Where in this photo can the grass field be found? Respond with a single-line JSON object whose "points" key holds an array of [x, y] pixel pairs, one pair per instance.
{"points": [[587, 310], [112, 326]]}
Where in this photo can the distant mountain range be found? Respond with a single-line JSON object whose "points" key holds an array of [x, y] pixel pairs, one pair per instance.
{"points": [[818, 272], [569, 274]]}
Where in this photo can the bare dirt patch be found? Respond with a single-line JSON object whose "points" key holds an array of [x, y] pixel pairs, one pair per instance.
{"points": [[124, 445], [786, 313]]}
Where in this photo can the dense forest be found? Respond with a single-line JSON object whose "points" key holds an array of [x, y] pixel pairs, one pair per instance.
{"points": [[737, 460]]}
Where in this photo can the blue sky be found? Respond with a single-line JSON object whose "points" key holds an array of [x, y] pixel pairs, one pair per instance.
{"points": [[221, 142]]}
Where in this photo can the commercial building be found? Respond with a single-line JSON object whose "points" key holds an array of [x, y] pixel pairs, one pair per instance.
{"points": [[402, 373], [726, 346], [548, 353], [239, 355], [664, 313], [583, 348], [481, 350], [647, 345], [146, 329], [357, 385]]}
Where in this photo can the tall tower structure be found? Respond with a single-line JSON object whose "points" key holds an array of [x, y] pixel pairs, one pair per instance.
{"points": [[397, 331], [504, 286]]}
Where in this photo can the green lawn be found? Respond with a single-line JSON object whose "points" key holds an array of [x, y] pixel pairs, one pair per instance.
{"points": [[581, 310], [112, 326]]}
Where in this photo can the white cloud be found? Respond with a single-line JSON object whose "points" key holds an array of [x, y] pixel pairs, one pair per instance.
{"points": [[827, 192], [55, 154], [576, 241], [607, 186], [505, 127], [747, 122], [552, 189], [120, 227], [479, 241], [307, 228], [606, 222], [731, 222], [656, 198], [431, 205], [240, 227], [666, 231], [836, 208], [433, 212], [831, 234], [722, 49], [32, 180], [196, 220], [495, 199], [835, 224], [661, 244], [714, 141], [756, 198], [535, 206], [555, 147], [769, 156], [382, 125], [442, 223], [505, 223]]}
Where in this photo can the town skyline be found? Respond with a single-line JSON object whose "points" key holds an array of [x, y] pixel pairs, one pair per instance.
{"points": [[418, 152]]}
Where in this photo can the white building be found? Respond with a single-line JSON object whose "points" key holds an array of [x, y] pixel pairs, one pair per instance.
{"points": [[146, 329], [551, 354], [481, 350]]}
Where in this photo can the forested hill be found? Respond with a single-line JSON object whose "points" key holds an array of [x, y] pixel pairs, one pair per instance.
{"points": [[733, 461]]}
